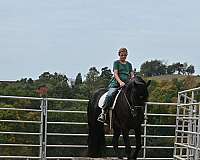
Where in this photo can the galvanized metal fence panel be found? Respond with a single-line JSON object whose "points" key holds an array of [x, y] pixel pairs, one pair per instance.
{"points": [[43, 145], [187, 133]]}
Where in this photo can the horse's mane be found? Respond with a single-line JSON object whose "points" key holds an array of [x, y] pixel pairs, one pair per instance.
{"points": [[137, 80]]}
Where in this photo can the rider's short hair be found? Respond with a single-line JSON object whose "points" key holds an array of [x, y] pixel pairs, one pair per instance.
{"points": [[122, 50]]}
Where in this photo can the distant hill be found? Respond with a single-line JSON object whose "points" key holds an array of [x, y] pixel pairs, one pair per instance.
{"points": [[7, 82], [174, 76]]}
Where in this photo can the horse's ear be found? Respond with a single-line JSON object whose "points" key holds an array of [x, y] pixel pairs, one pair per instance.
{"points": [[148, 83], [138, 82]]}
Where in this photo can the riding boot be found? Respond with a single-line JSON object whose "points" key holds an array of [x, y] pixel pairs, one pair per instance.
{"points": [[102, 116]]}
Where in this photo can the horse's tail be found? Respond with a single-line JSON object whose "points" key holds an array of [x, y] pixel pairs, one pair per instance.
{"points": [[96, 135]]}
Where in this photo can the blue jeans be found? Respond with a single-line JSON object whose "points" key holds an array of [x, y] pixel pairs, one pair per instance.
{"points": [[109, 97]]}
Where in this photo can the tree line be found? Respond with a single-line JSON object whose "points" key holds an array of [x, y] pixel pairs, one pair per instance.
{"points": [[157, 67], [82, 88]]}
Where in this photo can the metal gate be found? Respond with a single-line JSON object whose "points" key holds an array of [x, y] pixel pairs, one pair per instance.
{"points": [[149, 138], [187, 134]]}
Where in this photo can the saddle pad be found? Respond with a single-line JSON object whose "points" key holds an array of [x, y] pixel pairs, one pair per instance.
{"points": [[102, 100], [113, 106]]}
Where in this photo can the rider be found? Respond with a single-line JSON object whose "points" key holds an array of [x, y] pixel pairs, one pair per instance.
{"points": [[122, 73]]}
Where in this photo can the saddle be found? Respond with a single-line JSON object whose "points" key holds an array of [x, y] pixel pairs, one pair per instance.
{"points": [[113, 101]]}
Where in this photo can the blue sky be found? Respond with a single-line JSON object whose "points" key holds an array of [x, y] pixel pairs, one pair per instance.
{"points": [[70, 36]]}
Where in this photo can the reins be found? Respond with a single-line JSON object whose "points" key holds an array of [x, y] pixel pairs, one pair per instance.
{"points": [[132, 107], [129, 103]]}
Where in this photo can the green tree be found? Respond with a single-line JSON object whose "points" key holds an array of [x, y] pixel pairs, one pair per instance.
{"points": [[105, 76], [45, 76], [180, 68], [78, 79], [190, 70], [91, 81], [171, 69], [153, 68]]}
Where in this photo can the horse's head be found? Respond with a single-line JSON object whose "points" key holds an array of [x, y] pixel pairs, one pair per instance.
{"points": [[137, 91]]}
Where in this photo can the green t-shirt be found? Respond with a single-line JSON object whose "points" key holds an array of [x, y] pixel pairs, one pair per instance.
{"points": [[124, 71]]}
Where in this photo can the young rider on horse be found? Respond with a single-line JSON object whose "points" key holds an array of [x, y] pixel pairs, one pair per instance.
{"points": [[123, 72]]}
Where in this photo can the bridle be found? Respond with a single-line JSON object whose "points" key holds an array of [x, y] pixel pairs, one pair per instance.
{"points": [[132, 107]]}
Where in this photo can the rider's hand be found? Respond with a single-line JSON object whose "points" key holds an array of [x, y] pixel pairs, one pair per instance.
{"points": [[121, 84], [132, 78]]}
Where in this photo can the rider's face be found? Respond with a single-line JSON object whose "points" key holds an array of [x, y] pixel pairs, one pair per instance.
{"points": [[122, 56]]}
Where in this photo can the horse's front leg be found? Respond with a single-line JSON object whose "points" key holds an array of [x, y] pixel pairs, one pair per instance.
{"points": [[115, 140], [138, 141], [127, 143]]}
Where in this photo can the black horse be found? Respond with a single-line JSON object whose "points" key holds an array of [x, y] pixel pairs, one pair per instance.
{"points": [[127, 114]]}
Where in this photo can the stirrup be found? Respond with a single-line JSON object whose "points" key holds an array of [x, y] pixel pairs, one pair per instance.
{"points": [[101, 118]]}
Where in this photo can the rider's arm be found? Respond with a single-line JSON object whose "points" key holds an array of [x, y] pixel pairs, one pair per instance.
{"points": [[133, 73], [116, 75]]}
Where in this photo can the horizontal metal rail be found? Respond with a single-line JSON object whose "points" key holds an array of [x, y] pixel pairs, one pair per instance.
{"points": [[75, 158], [20, 133], [70, 123], [177, 157], [107, 135], [113, 158], [20, 97], [81, 123], [162, 104], [187, 146], [19, 157], [188, 132], [61, 111], [189, 90], [146, 136], [161, 125], [21, 145], [85, 146], [49, 99], [188, 118], [19, 121], [19, 109], [188, 104], [162, 115]]}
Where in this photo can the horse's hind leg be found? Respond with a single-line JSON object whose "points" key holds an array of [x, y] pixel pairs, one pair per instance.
{"points": [[115, 140], [127, 143]]}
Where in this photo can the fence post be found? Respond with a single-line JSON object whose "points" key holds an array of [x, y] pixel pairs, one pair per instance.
{"points": [[145, 130], [43, 129]]}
